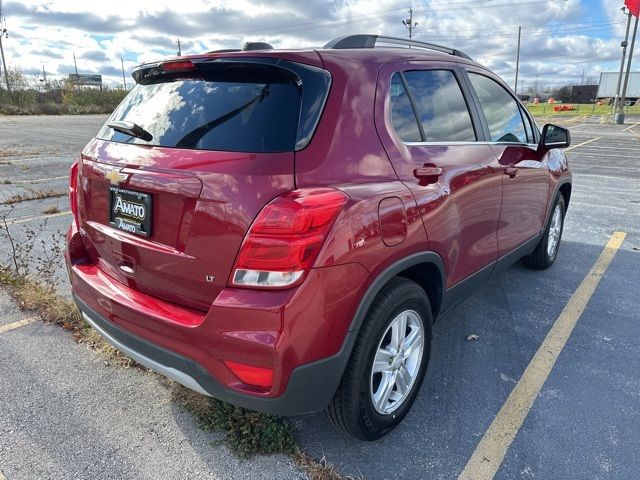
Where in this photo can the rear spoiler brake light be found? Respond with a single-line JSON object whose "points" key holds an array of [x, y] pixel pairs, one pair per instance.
{"points": [[172, 66]]}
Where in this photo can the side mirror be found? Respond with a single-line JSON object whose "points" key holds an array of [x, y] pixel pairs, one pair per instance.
{"points": [[554, 136]]}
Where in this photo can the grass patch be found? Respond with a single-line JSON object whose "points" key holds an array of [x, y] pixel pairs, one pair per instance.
{"points": [[251, 433], [34, 195], [590, 109]]}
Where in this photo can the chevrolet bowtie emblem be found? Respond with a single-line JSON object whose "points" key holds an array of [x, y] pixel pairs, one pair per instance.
{"points": [[115, 176]]}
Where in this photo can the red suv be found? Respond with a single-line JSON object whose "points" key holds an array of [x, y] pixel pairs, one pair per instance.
{"points": [[279, 228]]}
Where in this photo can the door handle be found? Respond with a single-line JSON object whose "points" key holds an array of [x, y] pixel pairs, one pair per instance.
{"points": [[511, 171], [425, 173]]}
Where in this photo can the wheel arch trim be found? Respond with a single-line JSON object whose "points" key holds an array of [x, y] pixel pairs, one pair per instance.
{"points": [[390, 272]]}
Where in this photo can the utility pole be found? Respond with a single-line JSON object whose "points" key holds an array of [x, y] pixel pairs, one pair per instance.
{"points": [[409, 23], [44, 74], [620, 116], [617, 109], [3, 33], [179, 49], [75, 63], [517, 60], [124, 79]]}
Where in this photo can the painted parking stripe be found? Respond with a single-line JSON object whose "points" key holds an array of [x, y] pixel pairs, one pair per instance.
{"points": [[490, 452], [629, 128], [18, 324], [17, 221], [581, 144], [37, 180]]}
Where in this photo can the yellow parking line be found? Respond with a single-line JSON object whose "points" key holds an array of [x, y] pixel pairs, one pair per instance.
{"points": [[581, 144], [493, 446], [629, 128], [17, 221], [18, 324]]}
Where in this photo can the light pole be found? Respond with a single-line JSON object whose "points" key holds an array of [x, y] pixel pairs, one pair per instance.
{"points": [[515, 87], [124, 79], [620, 117], [618, 109]]}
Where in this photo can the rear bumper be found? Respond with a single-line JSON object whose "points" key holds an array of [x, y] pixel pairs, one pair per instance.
{"points": [[309, 389], [302, 334]]}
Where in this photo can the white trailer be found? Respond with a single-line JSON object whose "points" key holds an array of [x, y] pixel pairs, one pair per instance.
{"points": [[609, 84]]}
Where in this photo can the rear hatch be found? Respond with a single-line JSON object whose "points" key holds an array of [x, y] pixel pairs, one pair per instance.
{"points": [[166, 211]]}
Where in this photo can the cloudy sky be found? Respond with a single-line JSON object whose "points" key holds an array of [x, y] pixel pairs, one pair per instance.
{"points": [[561, 39]]}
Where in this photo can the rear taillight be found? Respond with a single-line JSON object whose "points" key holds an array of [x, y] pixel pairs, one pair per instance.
{"points": [[286, 237], [73, 186]]}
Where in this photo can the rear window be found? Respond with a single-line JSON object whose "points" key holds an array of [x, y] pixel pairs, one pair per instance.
{"points": [[251, 111]]}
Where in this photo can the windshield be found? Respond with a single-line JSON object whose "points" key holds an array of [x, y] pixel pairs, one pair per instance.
{"points": [[247, 113]]}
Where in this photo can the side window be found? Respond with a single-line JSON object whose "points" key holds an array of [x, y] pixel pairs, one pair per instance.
{"points": [[500, 109], [403, 117], [440, 106]]}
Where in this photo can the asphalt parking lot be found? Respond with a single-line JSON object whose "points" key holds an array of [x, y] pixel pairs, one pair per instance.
{"points": [[65, 414]]}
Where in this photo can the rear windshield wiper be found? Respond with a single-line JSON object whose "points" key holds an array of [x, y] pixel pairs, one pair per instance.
{"points": [[132, 129], [191, 139]]}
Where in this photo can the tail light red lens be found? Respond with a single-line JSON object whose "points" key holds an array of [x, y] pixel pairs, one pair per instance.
{"points": [[286, 237], [256, 376], [73, 186], [178, 66]]}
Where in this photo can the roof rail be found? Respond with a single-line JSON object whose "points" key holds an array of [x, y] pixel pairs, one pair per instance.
{"points": [[370, 41], [225, 50]]}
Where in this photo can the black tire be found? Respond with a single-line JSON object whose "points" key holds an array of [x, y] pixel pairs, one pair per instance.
{"points": [[540, 259], [352, 409]]}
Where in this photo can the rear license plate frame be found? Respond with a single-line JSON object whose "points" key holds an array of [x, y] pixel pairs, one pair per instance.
{"points": [[130, 210]]}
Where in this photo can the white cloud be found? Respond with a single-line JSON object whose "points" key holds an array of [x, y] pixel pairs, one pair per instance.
{"points": [[561, 38]]}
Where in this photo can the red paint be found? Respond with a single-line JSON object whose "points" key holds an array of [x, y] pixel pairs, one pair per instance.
{"points": [[469, 203]]}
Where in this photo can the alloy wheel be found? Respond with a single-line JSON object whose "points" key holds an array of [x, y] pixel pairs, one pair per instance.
{"points": [[397, 362]]}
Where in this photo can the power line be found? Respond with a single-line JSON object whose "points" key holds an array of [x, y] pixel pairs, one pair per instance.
{"points": [[598, 23], [548, 31]]}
